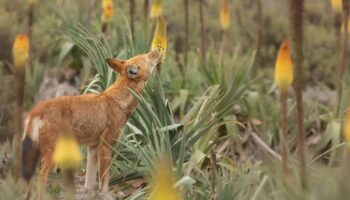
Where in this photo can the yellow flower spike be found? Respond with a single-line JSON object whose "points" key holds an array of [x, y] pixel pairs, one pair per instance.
{"points": [[224, 15], [159, 39], [108, 10], [20, 50], [284, 67], [67, 154], [156, 8], [162, 185], [337, 5]]}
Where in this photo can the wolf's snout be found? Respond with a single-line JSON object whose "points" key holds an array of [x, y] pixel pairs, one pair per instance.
{"points": [[109, 61]]}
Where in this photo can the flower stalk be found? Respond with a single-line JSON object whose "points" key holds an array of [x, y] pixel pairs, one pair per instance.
{"points": [[203, 49], [107, 14], [132, 6], [344, 181], [213, 170], [296, 9], [337, 10], [257, 59], [145, 13], [20, 53], [187, 29], [283, 80], [343, 54], [31, 4]]}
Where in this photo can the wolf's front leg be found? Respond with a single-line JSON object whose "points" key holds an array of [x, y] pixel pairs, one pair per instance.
{"points": [[104, 159], [91, 169]]}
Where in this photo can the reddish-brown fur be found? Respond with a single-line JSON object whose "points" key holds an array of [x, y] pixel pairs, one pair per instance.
{"points": [[95, 120]]}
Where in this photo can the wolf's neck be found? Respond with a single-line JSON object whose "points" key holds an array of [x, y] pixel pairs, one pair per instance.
{"points": [[121, 94]]}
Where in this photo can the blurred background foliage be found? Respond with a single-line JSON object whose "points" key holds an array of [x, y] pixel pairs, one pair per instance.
{"points": [[218, 122]]}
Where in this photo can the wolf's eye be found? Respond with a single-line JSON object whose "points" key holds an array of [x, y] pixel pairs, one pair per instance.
{"points": [[132, 71]]}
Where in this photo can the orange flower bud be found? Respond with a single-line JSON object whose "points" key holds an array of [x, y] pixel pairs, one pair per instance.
{"points": [[20, 50], [224, 15], [284, 67]]}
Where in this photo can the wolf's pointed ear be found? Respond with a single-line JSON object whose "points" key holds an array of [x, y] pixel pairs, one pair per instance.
{"points": [[155, 56], [115, 64]]}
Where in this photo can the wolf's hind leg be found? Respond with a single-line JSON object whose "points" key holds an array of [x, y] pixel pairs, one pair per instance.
{"points": [[44, 173]]}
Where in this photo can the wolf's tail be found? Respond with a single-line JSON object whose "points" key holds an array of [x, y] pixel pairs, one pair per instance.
{"points": [[30, 157]]}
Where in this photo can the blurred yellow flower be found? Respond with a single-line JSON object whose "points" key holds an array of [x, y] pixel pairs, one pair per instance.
{"points": [[108, 10], [156, 8], [20, 50], [67, 154], [162, 185], [107, 14], [337, 5], [342, 27], [346, 130], [224, 15], [159, 39], [32, 2], [107, 3], [284, 67]]}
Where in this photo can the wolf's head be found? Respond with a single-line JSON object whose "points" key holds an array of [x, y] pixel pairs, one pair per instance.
{"points": [[138, 68]]}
